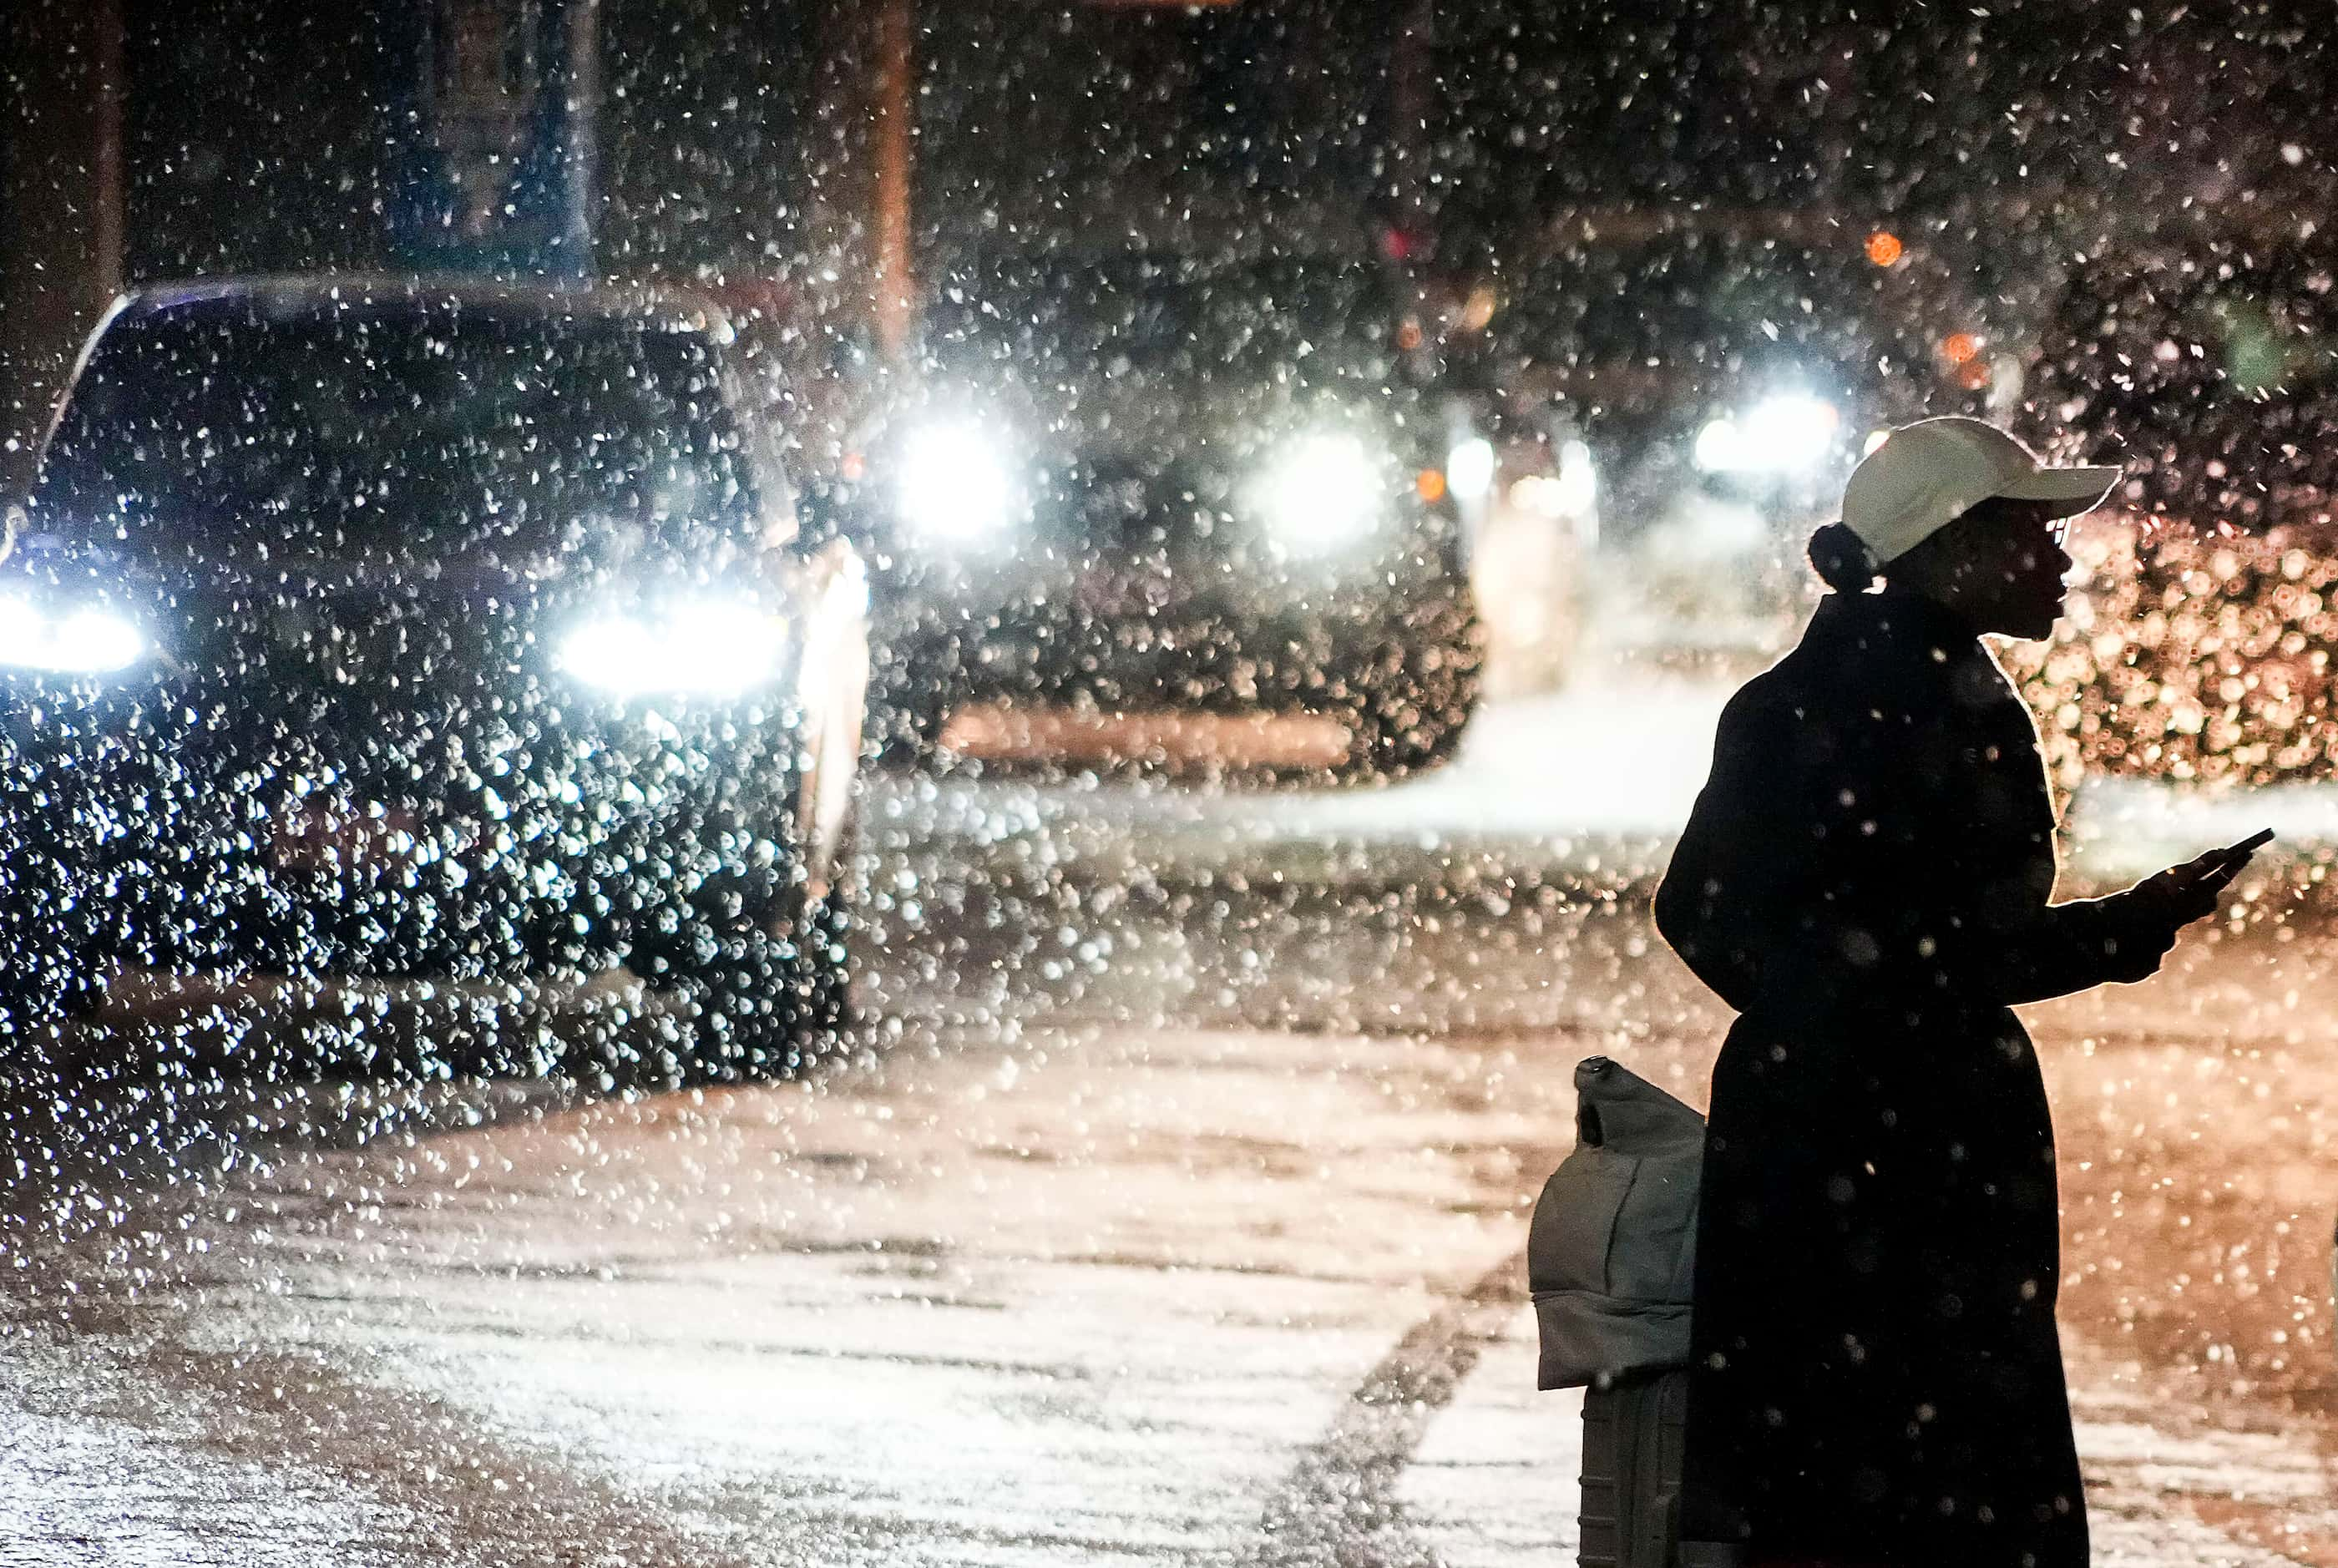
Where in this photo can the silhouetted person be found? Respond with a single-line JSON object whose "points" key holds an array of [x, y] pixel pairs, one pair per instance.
{"points": [[1875, 1373]]}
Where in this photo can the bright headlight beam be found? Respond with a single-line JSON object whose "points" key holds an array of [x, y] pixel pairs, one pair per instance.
{"points": [[1321, 492], [1720, 447], [1469, 468], [85, 641], [1796, 427], [701, 649], [954, 486], [1788, 433]]}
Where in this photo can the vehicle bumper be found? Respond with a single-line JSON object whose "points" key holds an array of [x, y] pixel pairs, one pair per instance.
{"points": [[238, 831], [1211, 659]]}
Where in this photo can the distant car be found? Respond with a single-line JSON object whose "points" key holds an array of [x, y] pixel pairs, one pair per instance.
{"points": [[1145, 506], [1723, 381], [2209, 363], [395, 629]]}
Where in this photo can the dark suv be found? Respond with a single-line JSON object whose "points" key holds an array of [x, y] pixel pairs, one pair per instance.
{"points": [[383, 631], [1139, 500]]}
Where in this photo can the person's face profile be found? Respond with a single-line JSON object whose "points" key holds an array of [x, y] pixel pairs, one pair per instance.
{"points": [[2004, 567]]}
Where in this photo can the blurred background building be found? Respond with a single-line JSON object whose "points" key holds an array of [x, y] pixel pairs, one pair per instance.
{"points": [[736, 138], [1679, 259]]}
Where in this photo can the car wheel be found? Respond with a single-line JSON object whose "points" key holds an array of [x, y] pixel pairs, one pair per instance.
{"points": [[50, 972], [758, 959], [917, 684], [739, 980], [760, 952], [1421, 689]]}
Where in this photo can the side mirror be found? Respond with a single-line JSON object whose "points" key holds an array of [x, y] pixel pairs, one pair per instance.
{"points": [[12, 522]]}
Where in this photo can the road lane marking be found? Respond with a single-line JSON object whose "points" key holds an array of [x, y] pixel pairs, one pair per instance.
{"points": [[1338, 1508], [1343, 1505]]}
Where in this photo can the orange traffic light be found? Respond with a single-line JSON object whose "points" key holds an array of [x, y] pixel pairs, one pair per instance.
{"points": [[1883, 248]]}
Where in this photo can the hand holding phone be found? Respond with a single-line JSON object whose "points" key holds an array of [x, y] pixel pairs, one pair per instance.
{"points": [[2183, 894], [2251, 844], [2219, 866], [2163, 904]]}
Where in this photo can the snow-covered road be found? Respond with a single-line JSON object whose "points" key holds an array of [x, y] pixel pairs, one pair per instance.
{"points": [[1596, 779], [1093, 1296], [1172, 1215]]}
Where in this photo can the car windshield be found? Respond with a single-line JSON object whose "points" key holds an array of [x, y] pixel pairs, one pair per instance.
{"points": [[396, 437], [1672, 324], [1163, 320]]}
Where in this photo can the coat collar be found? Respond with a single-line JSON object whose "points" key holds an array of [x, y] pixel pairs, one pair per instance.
{"points": [[1906, 624]]}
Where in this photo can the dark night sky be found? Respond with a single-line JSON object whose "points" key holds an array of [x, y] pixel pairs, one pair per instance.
{"points": [[276, 127], [274, 133]]}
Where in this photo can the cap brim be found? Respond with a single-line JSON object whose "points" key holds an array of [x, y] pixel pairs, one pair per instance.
{"points": [[2070, 491]]}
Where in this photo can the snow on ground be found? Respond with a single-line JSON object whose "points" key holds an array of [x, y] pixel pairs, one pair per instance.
{"points": [[97, 1467], [1496, 1482], [1597, 779]]}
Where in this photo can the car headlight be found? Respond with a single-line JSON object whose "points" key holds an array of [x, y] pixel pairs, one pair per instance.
{"points": [[1469, 468], [1320, 493], [954, 485], [700, 648], [83, 642], [1789, 433]]}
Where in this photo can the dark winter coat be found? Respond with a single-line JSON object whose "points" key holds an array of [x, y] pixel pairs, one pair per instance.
{"points": [[1876, 1375]]}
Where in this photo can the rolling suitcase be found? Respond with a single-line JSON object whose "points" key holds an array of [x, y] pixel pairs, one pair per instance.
{"points": [[1632, 1460]]}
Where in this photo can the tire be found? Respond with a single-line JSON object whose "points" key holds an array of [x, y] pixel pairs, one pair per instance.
{"points": [[50, 968], [759, 962], [821, 978], [1421, 688], [761, 954], [758, 1002], [918, 681]]}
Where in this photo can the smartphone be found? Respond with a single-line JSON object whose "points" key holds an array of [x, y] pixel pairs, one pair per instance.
{"points": [[2224, 863], [2233, 857], [2249, 845]]}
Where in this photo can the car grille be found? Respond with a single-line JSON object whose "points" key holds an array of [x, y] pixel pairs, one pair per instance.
{"points": [[377, 642], [355, 785]]}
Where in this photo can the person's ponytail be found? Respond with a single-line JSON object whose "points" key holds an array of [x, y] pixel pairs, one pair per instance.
{"points": [[1842, 560]]}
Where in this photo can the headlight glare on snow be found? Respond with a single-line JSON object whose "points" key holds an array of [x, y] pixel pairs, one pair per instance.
{"points": [[87, 641], [955, 487], [1320, 493], [696, 648]]}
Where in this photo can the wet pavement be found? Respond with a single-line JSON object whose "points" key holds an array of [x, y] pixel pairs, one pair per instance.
{"points": [[1171, 1212]]}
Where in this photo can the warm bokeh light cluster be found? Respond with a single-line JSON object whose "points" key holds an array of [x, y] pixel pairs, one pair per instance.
{"points": [[2193, 656]]}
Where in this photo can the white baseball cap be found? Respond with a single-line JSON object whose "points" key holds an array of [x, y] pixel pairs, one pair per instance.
{"points": [[1927, 475]]}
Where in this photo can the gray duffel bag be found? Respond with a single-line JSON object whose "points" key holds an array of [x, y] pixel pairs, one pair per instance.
{"points": [[1612, 1253]]}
